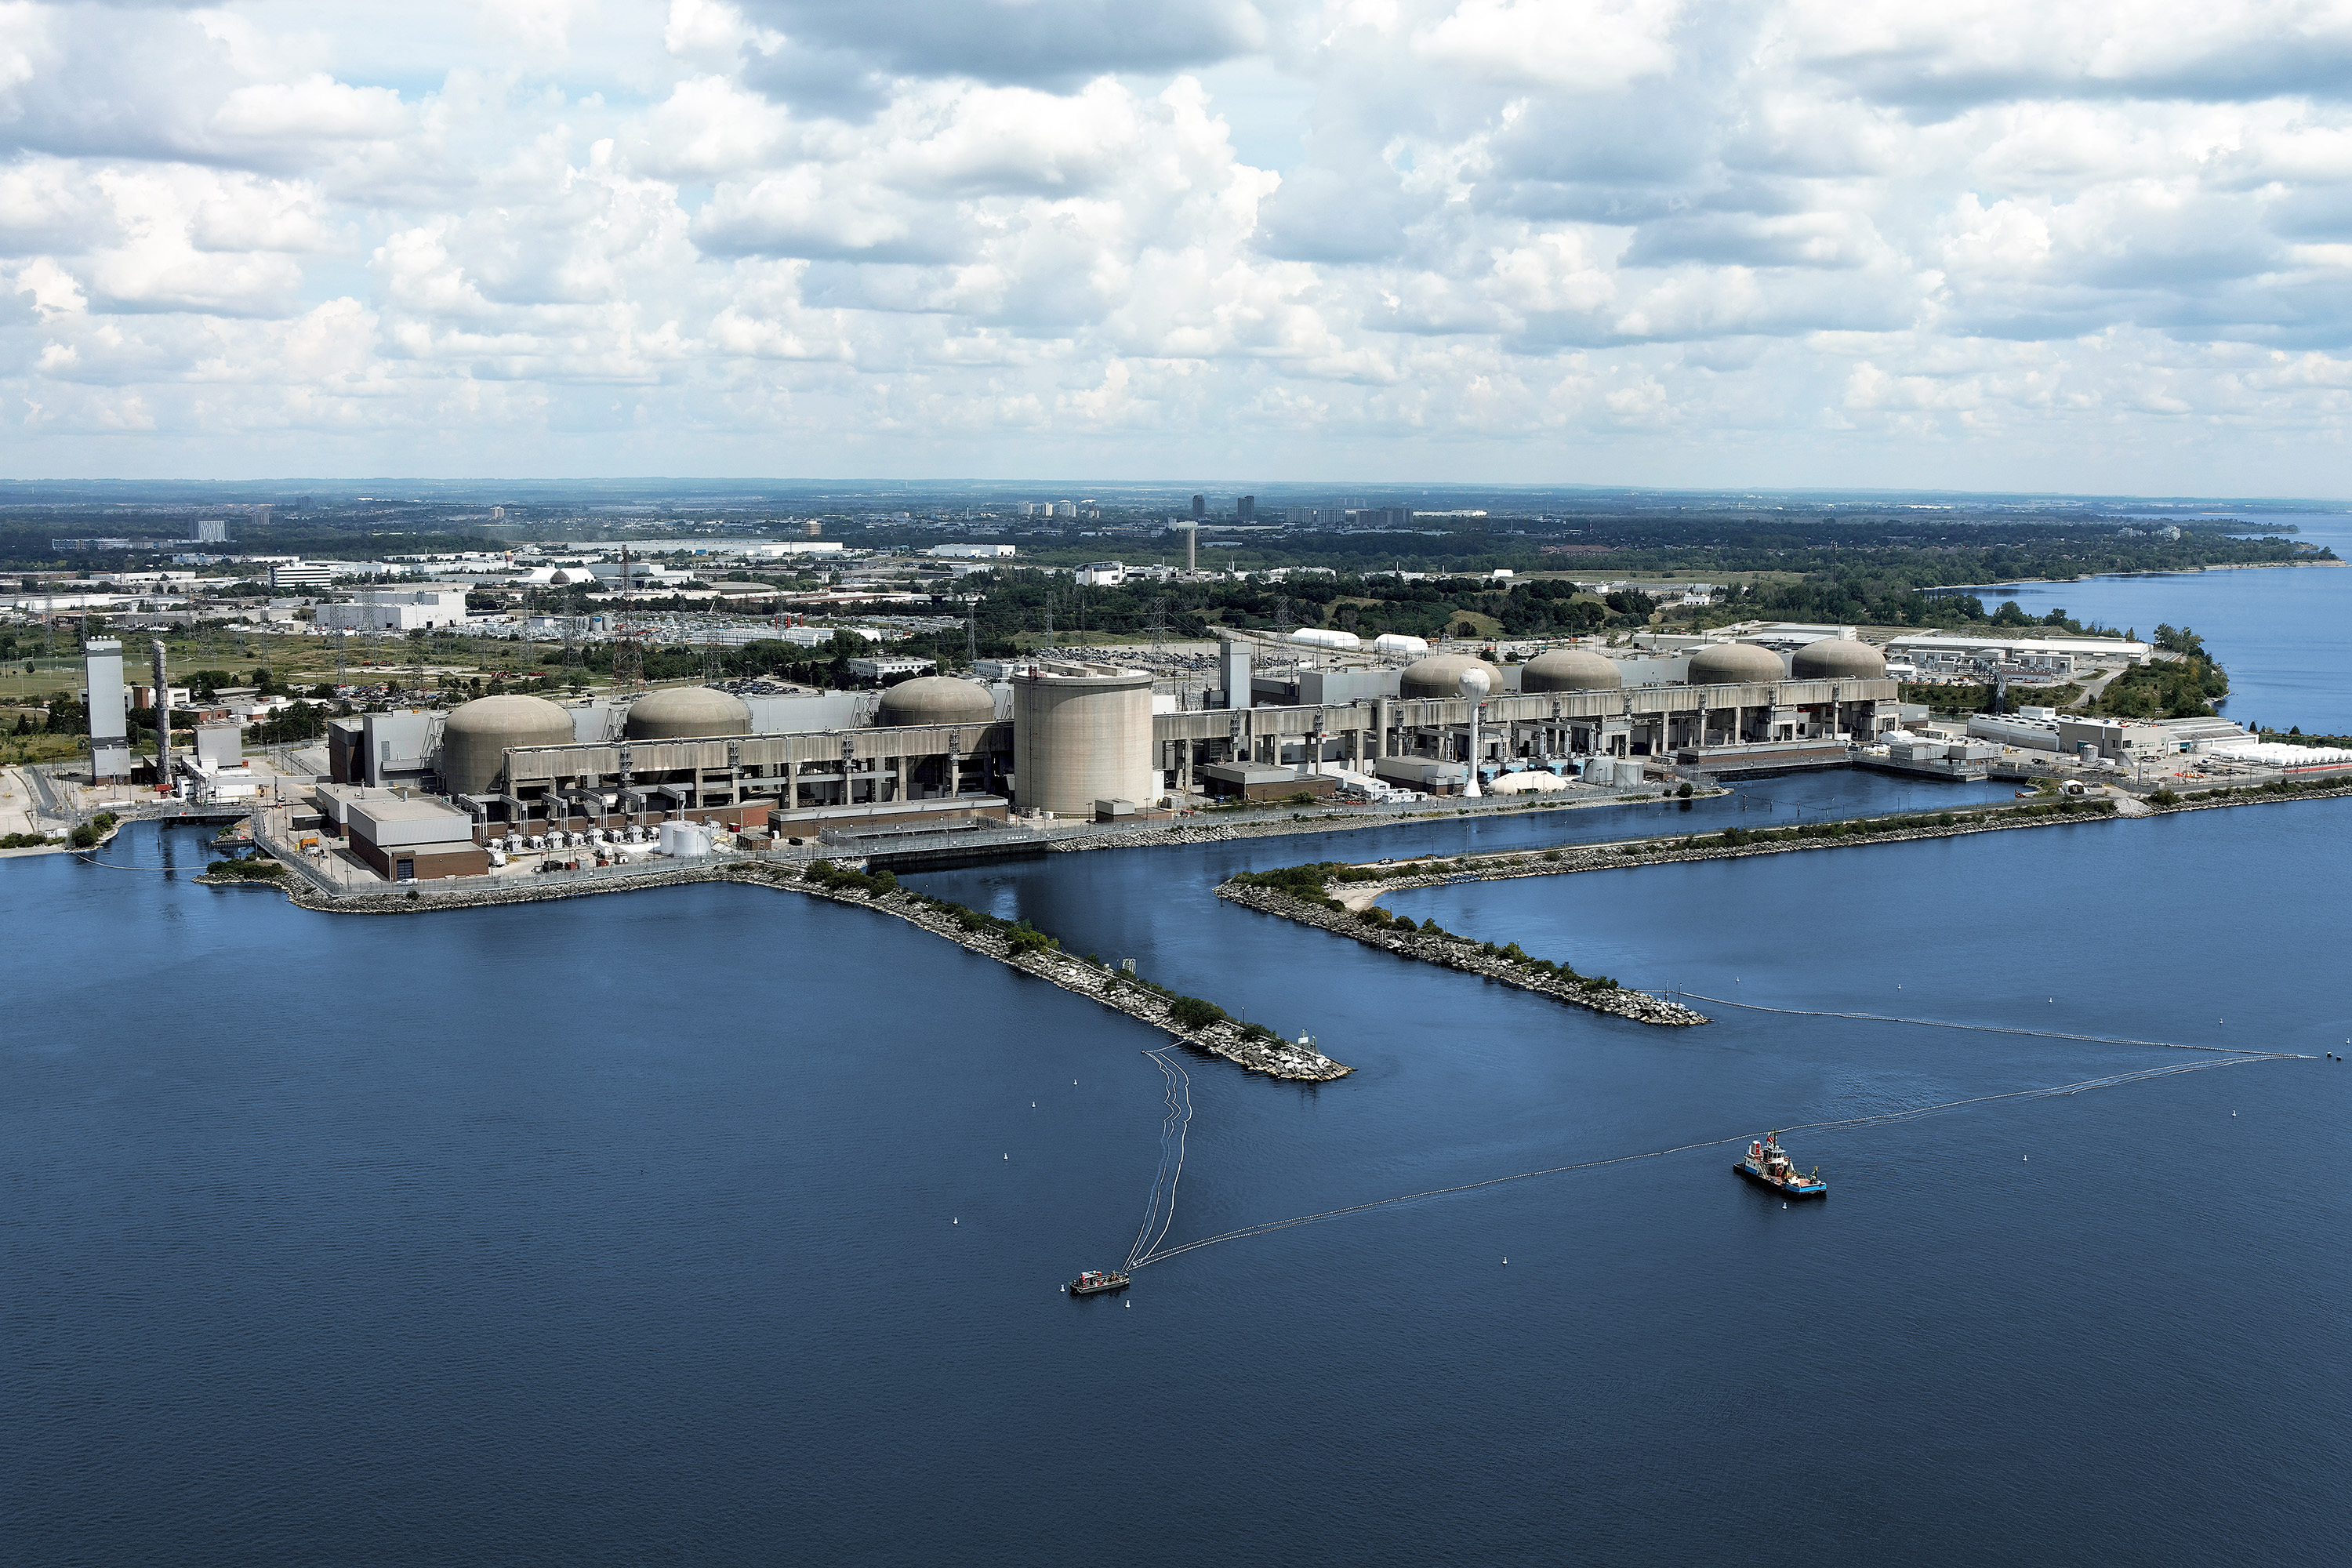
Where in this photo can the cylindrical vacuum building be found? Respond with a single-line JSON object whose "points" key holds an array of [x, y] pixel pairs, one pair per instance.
{"points": [[1081, 732]]}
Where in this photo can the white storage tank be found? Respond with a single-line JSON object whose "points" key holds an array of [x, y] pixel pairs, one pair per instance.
{"points": [[1081, 732]]}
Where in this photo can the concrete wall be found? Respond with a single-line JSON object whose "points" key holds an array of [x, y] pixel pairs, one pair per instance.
{"points": [[1082, 737], [425, 863]]}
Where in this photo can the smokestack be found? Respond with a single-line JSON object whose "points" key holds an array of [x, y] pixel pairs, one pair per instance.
{"points": [[1192, 548], [163, 722]]}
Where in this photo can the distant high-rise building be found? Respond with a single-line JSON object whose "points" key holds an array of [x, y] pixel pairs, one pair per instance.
{"points": [[1199, 508], [811, 530], [1245, 510], [212, 530]]}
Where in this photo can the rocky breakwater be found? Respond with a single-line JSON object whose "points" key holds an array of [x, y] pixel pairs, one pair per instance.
{"points": [[1506, 966], [1189, 1018]]}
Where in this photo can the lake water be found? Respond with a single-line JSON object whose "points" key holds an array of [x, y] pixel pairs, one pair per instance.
{"points": [[716, 1224], [2283, 634]]}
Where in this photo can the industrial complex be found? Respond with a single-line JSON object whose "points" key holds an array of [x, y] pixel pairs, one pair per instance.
{"points": [[427, 793], [1075, 737]]}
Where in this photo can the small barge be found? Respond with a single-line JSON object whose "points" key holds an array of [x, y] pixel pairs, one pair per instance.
{"points": [[1094, 1281], [1768, 1165]]}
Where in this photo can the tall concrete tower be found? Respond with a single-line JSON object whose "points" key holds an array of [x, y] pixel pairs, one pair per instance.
{"points": [[163, 722], [110, 736]]}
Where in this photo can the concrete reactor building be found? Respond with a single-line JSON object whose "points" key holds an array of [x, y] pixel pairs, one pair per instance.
{"points": [[685, 714], [479, 734]]}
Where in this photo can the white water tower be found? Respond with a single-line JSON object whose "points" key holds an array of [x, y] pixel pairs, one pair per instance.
{"points": [[1475, 684]]}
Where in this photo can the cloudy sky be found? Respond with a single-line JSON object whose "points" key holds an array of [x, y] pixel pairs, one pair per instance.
{"points": [[2092, 245]]}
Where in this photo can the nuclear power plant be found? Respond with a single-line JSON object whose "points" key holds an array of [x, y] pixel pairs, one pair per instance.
{"points": [[430, 793]]}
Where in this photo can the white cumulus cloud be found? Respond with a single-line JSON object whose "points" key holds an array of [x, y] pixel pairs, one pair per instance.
{"points": [[2105, 246]]}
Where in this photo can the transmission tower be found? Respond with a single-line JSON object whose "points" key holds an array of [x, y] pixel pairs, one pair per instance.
{"points": [[1158, 627], [970, 638], [628, 664]]}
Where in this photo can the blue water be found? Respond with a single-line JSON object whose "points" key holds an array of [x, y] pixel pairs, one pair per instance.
{"points": [[680, 1226], [2285, 636]]}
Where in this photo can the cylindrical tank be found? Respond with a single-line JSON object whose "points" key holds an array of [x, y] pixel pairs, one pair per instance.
{"points": [[478, 732], [1440, 675], [1838, 658], [686, 713], [1571, 669], [1082, 732], [1397, 643], [1324, 636], [936, 700], [1734, 664]]}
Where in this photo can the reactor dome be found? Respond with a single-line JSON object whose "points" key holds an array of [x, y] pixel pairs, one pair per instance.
{"points": [[1734, 664], [936, 700], [686, 713], [1440, 675], [478, 732], [1838, 658], [1571, 669]]}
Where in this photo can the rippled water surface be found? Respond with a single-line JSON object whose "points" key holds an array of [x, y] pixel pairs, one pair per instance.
{"points": [[713, 1224]]}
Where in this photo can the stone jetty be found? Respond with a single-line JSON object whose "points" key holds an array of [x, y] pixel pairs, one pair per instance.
{"points": [[1452, 951]]}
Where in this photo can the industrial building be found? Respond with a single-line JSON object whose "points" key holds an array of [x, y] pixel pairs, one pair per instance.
{"points": [[110, 730], [380, 610], [1067, 738]]}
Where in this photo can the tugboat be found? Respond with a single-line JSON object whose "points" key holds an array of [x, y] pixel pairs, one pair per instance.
{"points": [[1768, 1165], [1095, 1281]]}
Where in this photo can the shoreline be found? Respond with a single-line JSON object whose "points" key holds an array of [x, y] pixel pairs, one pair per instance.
{"points": [[1267, 1054], [1164, 837], [2105, 576], [1344, 912]]}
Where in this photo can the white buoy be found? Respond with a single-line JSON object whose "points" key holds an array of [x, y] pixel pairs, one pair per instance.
{"points": [[1008, 1156]]}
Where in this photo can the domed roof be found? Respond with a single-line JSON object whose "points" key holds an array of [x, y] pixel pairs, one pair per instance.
{"points": [[1440, 675], [1734, 664], [513, 719], [685, 714], [1838, 658], [936, 700], [1571, 669], [477, 735]]}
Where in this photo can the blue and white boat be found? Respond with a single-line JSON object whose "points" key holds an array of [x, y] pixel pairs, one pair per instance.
{"points": [[1768, 1165]]}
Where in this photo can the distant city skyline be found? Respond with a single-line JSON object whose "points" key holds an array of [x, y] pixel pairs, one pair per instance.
{"points": [[2091, 250]]}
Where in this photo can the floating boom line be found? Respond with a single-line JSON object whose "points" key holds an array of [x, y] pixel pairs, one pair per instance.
{"points": [[1843, 1124], [1978, 1028]]}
